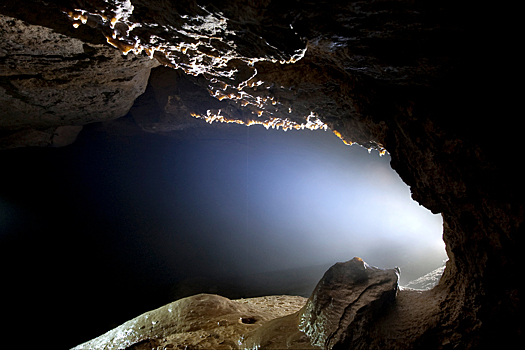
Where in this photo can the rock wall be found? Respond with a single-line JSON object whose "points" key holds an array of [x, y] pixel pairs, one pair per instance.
{"points": [[52, 84], [410, 77]]}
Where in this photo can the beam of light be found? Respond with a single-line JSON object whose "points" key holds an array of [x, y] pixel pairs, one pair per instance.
{"points": [[360, 211]]}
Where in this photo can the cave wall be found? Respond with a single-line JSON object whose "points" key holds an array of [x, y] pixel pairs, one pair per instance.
{"points": [[52, 84], [404, 76]]}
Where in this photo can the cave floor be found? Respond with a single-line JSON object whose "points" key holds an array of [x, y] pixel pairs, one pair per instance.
{"points": [[208, 320]]}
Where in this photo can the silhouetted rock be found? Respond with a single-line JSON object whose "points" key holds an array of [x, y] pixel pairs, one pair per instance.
{"points": [[56, 136]]}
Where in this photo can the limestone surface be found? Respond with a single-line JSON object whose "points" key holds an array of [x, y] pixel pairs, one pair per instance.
{"points": [[203, 321], [346, 301], [49, 80], [427, 281], [343, 306]]}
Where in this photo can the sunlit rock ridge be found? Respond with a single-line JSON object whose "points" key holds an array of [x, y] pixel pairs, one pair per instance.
{"points": [[423, 80]]}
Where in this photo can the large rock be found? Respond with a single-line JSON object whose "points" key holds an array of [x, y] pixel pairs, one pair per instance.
{"points": [[345, 302]]}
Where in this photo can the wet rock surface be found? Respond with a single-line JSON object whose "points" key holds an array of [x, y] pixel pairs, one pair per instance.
{"points": [[345, 302]]}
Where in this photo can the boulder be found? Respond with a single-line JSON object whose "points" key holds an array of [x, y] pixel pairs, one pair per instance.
{"points": [[345, 302]]}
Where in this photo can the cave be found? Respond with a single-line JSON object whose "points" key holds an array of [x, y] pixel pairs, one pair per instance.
{"points": [[414, 79]]}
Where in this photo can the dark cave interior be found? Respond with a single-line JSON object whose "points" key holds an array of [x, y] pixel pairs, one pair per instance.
{"points": [[426, 81], [130, 221]]}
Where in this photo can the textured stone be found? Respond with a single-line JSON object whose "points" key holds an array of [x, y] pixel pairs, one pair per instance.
{"points": [[203, 321], [427, 281], [49, 80], [50, 137], [346, 301]]}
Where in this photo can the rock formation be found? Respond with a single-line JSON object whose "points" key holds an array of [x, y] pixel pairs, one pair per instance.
{"points": [[52, 84], [348, 298], [345, 302], [427, 281], [203, 321], [422, 80]]}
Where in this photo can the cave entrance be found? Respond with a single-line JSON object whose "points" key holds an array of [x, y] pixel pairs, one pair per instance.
{"points": [[268, 208], [130, 222]]}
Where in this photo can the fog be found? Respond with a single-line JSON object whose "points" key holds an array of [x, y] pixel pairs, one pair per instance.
{"points": [[270, 200], [114, 221]]}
